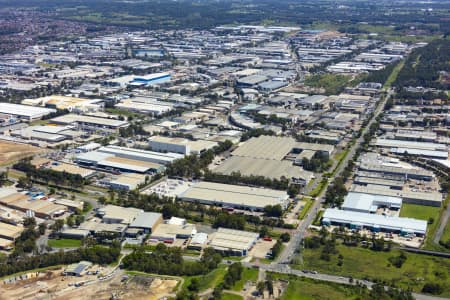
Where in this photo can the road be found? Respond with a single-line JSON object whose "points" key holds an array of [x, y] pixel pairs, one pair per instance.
{"points": [[288, 253]]}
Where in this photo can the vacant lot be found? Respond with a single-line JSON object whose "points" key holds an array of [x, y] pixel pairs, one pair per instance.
{"points": [[64, 243], [360, 263], [421, 212], [11, 152]]}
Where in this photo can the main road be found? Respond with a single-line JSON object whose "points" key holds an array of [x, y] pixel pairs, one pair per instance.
{"points": [[286, 256]]}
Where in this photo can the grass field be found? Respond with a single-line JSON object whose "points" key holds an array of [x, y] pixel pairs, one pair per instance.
{"points": [[364, 263], [228, 296], [249, 274], [300, 288], [393, 76], [316, 191], [417, 211], [210, 280], [64, 243]]}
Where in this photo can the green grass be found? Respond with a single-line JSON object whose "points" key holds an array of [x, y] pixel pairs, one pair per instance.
{"points": [[301, 288], [64, 243], [248, 274], [446, 234], [332, 83], [228, 296], [421, 212], [364, 263], [393, 76], [210, 280], [306, 207]]}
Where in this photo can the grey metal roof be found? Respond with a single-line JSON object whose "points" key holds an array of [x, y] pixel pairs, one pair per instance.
{"points": [[146, 220]]}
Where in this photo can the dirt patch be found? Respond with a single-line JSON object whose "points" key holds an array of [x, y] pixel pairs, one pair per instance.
{"points": [[10, 152], [52, 285]]}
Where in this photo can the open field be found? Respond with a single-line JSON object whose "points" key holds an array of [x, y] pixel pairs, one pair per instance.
{"points": [[228, 296], [364, 263], [300, 288], [64, 243], [248, 274], [210, 280], [417, 211], [11, 152]]}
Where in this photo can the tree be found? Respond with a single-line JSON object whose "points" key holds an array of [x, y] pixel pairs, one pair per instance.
{"points": [[285, 237], [41, 228]]}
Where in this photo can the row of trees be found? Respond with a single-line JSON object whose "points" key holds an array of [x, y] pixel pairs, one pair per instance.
{"points": [[49, 175], [96, 254], [169, 261]]}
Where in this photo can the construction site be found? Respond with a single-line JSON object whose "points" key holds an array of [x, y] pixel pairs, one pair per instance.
{"points": [[52, 284]]}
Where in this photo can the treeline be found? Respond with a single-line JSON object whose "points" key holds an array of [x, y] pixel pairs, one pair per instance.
{"points": [[318, 163], [236, 178], [381, 76], [96, 254], [424, 64], [193, 166], [256, 133], [169, 261], [49, 175]]}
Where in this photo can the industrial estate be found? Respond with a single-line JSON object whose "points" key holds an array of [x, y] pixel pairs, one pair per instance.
{"points": [[243, 161]]}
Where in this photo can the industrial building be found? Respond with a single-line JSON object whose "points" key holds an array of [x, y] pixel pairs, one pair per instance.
{"points": [[180, 145], [122, 159], [233, 242], [41, 208], [415, 197], [70, 104], [147, 222], [90, 123], [145, 106], [369, 203], [8, 234], [374, 222], [426, 149], [112, 214], [272, 169], [78, 269], [126, 182], [241, 197], [25, 112], [198, 241], [173, 229]]}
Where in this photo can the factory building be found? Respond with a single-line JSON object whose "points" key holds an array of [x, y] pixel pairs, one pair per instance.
{"points": [[180, 145], [369, 203], [112, 214], [90, 123], [374, 222], [240, 197], [233, 242], [25, 112], [147, 222]]}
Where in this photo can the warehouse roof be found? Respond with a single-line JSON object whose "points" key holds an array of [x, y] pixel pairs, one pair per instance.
{"points": [[267, 147], [24, 110], [371, 220], [410, 145], [226, 239], [235, 194], [386, 191], [125, 214], [361, 201], [73, 118], [146, 220], [10, 231], [262, 167]]}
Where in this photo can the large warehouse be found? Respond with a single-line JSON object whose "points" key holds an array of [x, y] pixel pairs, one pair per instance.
{"points": [[414, 197], [180, 145], [241, 197], [126, 159], [374, 222], [25, 112], [369, 203], [272, 169], [90, 123], [233, 242]]}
